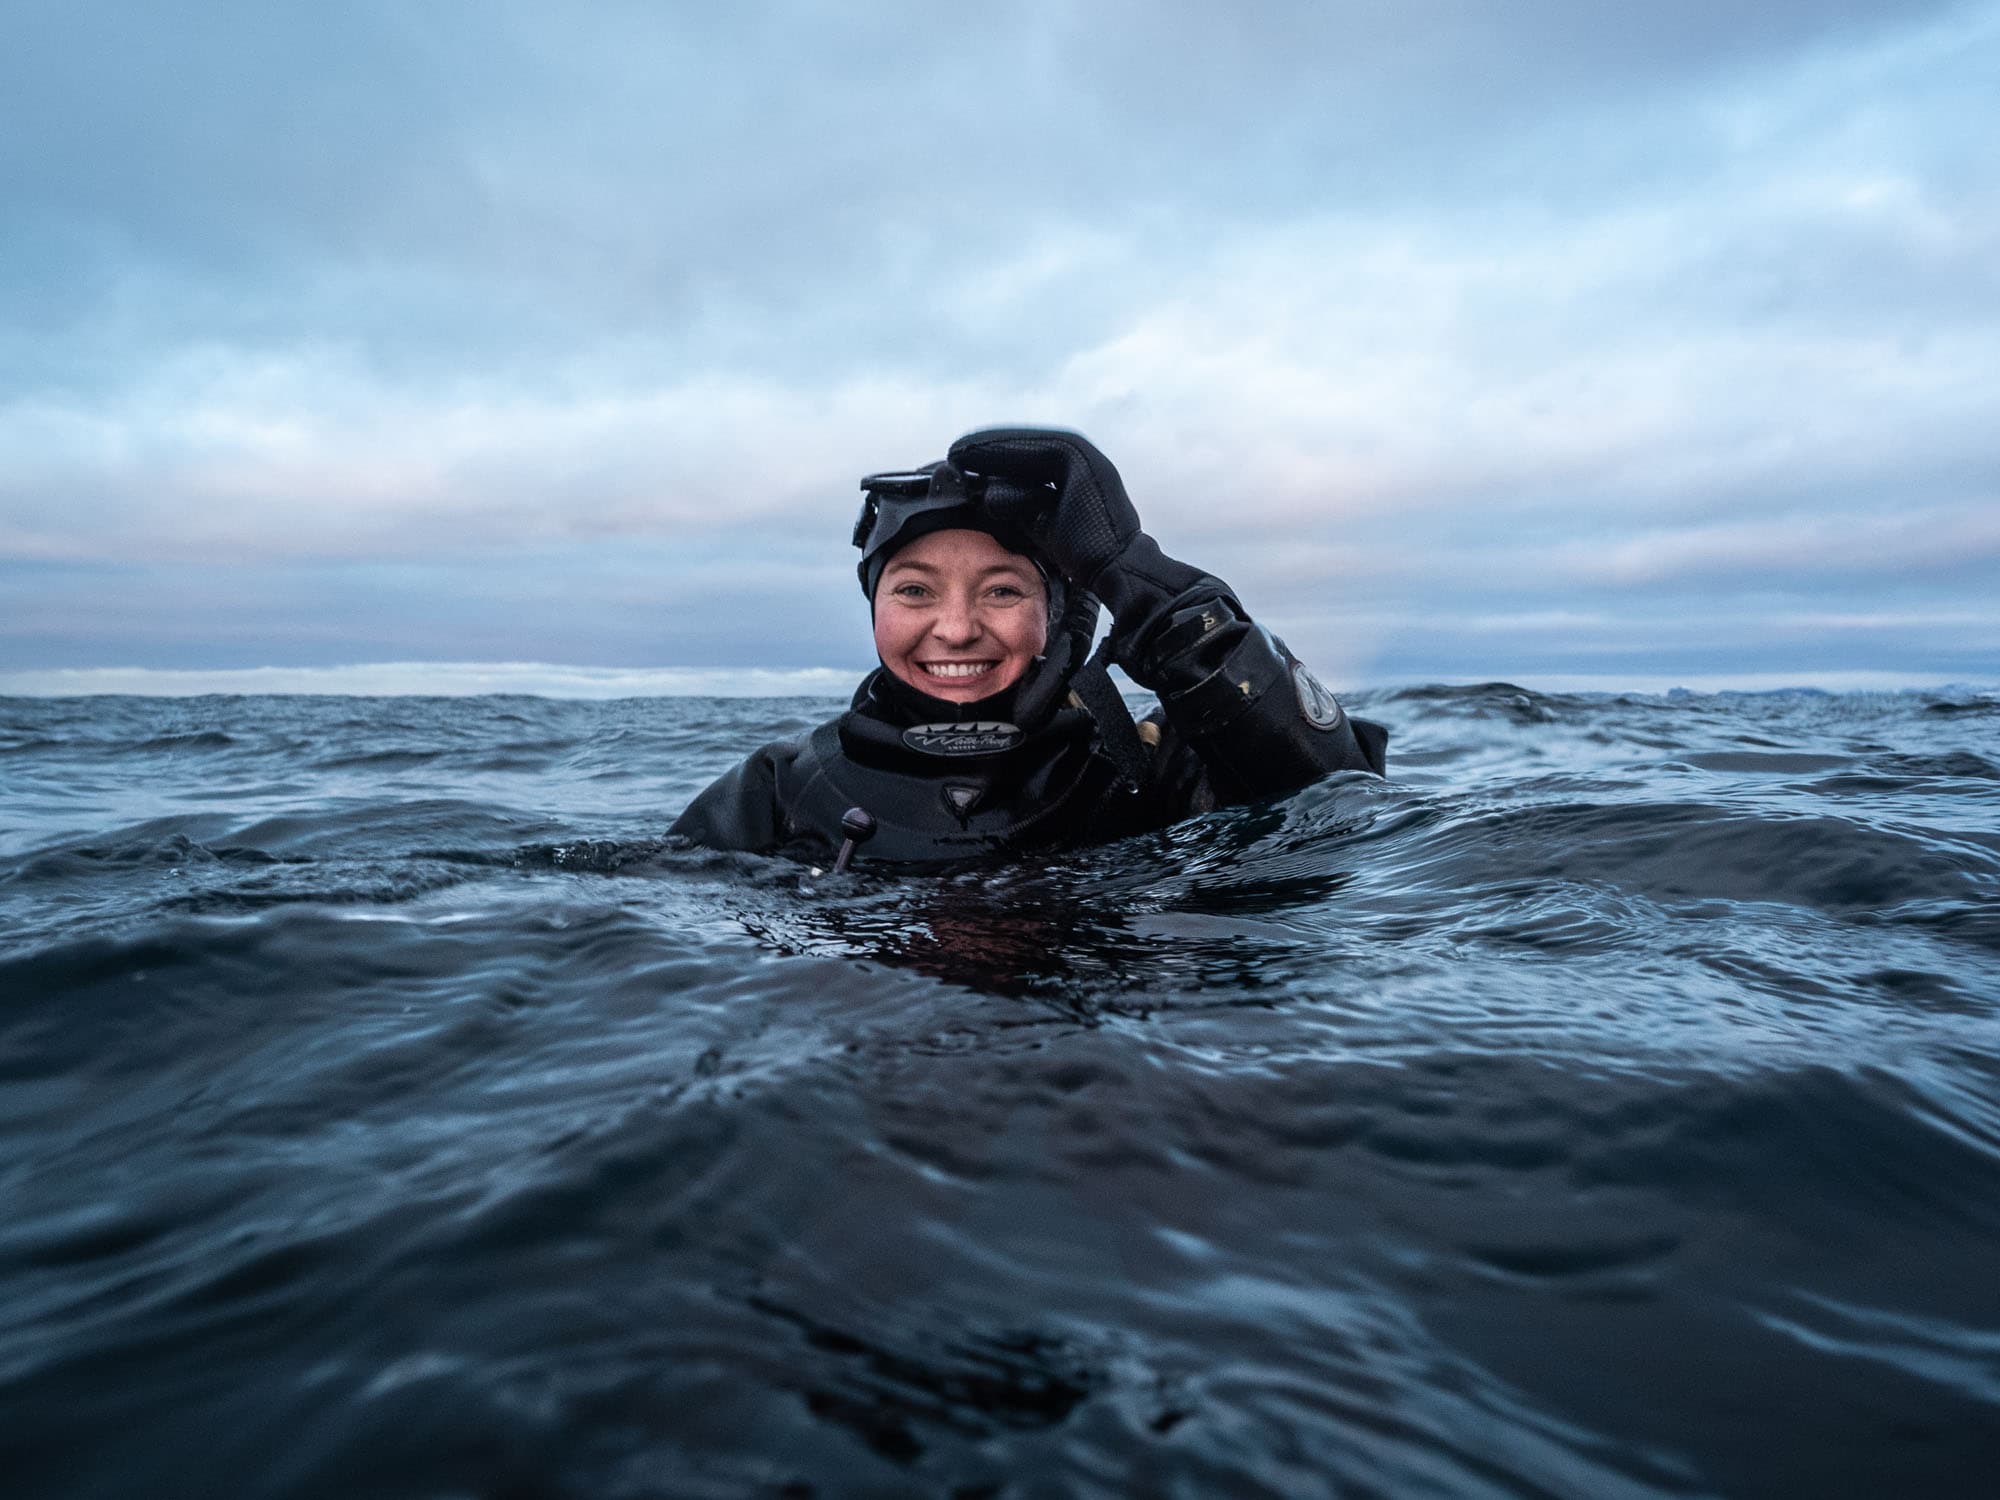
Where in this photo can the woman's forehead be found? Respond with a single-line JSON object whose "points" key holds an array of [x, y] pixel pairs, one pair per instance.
{"points": [[961, 549]]}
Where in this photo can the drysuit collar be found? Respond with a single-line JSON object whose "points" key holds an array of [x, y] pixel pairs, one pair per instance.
{"points": [[886, 696], [895, 726]]}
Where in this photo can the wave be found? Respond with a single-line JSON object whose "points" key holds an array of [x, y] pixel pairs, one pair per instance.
{"points": [[392, 1108]]}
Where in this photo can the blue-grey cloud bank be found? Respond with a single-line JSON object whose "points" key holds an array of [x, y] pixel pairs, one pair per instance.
{"points": [[1556, 341]]}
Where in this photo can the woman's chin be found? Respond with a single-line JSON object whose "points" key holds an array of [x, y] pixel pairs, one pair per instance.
{"points": [[960, 692]]}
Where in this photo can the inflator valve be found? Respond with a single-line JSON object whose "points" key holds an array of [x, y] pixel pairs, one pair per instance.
{"points": [[859, 826]]}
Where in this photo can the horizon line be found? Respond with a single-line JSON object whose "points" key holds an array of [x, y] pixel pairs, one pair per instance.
{"points": [[557, 680]]}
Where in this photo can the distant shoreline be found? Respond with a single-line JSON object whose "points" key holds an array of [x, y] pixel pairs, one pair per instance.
{"points": [[545, 680]]}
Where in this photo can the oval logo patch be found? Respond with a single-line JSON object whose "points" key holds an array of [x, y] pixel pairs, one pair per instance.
{"points": [[980, 737]]}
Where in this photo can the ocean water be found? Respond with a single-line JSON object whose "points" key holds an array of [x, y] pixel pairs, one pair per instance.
{"points": [[1607, 1105]]}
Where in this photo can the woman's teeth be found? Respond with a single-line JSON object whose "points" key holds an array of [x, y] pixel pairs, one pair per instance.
{"points": [[957, 668]]}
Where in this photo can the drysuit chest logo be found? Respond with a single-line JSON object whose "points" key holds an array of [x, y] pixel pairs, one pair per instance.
{"points": [[980, 737], [1321, 709]]}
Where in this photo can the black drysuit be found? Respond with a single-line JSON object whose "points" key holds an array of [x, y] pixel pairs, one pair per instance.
{"points": [[1239, 720]]}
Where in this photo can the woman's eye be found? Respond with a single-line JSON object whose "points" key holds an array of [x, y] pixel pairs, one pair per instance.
{"points": [[910, 591], [1008, 591]]}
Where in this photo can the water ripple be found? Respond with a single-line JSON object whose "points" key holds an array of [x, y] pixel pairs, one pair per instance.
{"points": [[1607, 1106]]}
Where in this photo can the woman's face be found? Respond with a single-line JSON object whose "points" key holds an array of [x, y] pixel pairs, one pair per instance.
{"points": [[958, 616]]}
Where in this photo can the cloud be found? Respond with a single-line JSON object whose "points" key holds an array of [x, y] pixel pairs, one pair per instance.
{"points": [[1802, 548], [1449, 314]]}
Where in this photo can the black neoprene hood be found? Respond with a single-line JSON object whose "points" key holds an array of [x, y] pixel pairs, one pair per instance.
{"points": [[898, 508]]}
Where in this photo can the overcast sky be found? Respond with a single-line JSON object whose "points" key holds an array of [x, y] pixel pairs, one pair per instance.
{"points": [[1551, 340]]}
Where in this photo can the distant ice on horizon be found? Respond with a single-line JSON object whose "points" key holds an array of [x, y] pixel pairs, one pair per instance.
{"points": [[549, 680], [440, 679]]}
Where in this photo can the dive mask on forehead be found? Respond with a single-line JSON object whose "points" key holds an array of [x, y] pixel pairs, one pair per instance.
{"points": [[899, 507]]}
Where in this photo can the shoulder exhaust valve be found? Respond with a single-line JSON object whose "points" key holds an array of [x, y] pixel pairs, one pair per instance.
{"points": [[1321, 709]]}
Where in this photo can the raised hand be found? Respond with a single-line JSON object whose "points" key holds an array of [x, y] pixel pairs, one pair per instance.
{"points": [[1057, 487]]}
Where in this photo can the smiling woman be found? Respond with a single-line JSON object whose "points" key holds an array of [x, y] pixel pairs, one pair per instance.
{"points": [[990, 726], [959, 616]]}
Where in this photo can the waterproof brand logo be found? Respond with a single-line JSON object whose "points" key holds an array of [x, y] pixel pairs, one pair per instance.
{"points": [[981, 737], [1321, 709]]}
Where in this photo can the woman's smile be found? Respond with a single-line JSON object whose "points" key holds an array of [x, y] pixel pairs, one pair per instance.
{"points": [[957, 669]]}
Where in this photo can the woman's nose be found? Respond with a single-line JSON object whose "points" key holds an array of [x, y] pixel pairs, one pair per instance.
{"points": [[957, 623]]}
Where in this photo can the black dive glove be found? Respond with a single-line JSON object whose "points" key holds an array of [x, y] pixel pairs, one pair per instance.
{"points": [[1067, 497], [1259, 721]]}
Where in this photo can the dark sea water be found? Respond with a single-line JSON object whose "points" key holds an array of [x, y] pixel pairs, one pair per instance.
{"points": [[1608, 1105]]}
